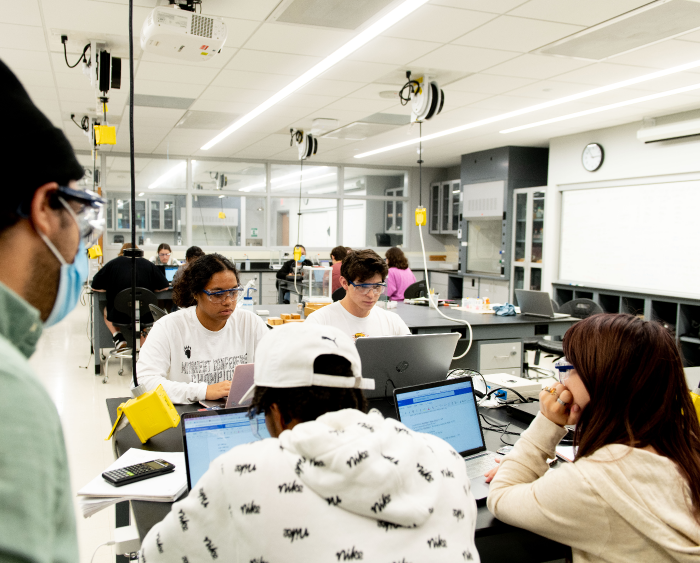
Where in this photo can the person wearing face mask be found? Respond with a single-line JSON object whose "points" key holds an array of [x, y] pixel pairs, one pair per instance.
{"points": [[46, 224], [288, 269]]}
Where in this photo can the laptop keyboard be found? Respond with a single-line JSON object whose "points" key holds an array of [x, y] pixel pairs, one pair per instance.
{"points": [[480, 464]]}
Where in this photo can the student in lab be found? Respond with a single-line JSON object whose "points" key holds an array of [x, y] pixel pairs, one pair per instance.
{"points": [[399, 276], [633, 492], [288, 268], [338, 254], [193, 351], [362, 275], [165, 256], [332, 484], [46, 225], [193, 252], [115, 276]]}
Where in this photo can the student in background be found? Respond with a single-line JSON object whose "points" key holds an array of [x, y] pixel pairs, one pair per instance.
{"points": [[399, 276], [633, 492], [193, 252], [164, 256], [193, 351], [115, 276], [362, 276], [337, 256], [334, 483], [46, 224], [288, 268]]}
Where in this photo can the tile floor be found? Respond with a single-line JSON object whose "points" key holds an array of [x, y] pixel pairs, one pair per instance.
{"points": [[63, 362]]}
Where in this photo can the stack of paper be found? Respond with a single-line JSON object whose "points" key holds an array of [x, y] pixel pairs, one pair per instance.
{"points": [[99, 494]]}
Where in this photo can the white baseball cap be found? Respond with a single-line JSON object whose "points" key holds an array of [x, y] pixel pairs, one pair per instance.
{"points": [[285, 357]]}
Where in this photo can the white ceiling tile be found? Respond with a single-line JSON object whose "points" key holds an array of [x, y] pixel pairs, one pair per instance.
{"points": [[586, 13], [25, 12], [367, 106], [273, 63], [23, 59], [238, 31], [283, 38], [692, 36], [371, 91], [437, 23], [393, 50], [74, 81], [508, 33], [174, 89], [661, 55], [219, 61], [48, 106], [174, 73], [505, 103], [489, 83], [98, 19], [251, 80], [311, 101], [537, 66], [83, 96], [34, 78], [157, 118], [465, 59], [13, 36], [604, 73], [223, 94], [41, 92], [455, 99], [236, 108], [549, 90], [493, 6], [357, 71], [324, 87]]}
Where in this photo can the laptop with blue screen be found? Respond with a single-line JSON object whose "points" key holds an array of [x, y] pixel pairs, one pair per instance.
{"points": [[447, 409], [208, 434], [170, 273]]}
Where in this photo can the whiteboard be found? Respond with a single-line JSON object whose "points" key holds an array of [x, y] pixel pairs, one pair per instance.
{"points": [[643, 238]]}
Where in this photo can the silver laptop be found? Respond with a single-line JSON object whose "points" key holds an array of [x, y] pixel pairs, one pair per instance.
{"points": [[242, 381], [447, 409], [208, 434], [399, 361], [537, 304]]}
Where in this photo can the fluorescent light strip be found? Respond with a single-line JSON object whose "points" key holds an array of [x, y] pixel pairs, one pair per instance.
{"points": [[168, 174], [350, 47], [604, 108], [537, 107]]}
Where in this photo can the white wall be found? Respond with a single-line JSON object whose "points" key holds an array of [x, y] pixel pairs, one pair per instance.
{"points": [[625, 158]]}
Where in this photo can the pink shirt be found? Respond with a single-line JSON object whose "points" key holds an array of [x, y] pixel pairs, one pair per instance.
{"points": [[397, 281]]}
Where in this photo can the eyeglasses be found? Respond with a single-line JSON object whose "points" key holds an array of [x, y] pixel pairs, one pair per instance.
{"points": [[164, 254], [223, 295], [564, 369], [89, 218], [365, 288]]}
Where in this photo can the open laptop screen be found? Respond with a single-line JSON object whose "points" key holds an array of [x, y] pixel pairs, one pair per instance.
{"points": [[170, 272], [446, 409], [208, 434]]}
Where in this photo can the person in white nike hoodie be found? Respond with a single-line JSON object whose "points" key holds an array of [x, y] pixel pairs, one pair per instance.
{"points": [[633, 492], [333, 484]]}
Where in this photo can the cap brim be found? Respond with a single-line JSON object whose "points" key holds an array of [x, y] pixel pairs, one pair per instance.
{"points": [[248, 394]]}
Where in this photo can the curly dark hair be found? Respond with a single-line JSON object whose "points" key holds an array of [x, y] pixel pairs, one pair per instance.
{"points": [[361, 265], [395, 258], [308, 403], [197, 275]]}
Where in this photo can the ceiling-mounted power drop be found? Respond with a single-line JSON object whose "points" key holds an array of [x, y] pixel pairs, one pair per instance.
{"points": [[307, 144], [426, 96]]}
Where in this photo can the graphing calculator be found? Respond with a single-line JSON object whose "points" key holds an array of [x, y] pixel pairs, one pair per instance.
{"points": [[138, 472]]}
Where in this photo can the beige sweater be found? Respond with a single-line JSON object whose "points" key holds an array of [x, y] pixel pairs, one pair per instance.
{"points": [[619, 504]]}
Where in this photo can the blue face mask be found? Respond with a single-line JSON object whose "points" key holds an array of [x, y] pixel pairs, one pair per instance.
{"points": [[70, 283], [302, 258]]}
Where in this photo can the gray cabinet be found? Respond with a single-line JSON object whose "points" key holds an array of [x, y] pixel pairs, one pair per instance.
{"points": [[445, 199], [528, 236]]}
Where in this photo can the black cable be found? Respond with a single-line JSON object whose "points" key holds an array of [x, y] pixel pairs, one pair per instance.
{"points": [[84, 122], [201, 214], [301, 176], [404, 97], [135, 334], [420, 164], [82, 56], [524, 400]]}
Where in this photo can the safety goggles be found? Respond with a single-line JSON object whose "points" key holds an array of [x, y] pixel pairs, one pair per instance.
{"points": [[89, 217], [223, 295], [564, 369], [164, 254], [365, 288], [257, 421]]}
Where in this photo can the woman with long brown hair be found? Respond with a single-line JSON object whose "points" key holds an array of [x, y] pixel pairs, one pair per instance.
{"points": [[399, 276], [633, 491]]}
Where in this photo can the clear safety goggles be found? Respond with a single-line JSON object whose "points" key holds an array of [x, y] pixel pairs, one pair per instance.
{"points": [[365, 288], [90, 215], [564, 368], [223, 295]]}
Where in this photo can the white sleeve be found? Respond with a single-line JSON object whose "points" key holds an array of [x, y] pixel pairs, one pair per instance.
{"points": [[315, 318], [400, 326], [260, 330], [154, 367]]}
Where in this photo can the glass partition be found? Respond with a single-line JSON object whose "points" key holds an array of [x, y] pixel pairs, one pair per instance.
{"points": [[223, 175], [314, 180], [317, 227], [484, 250]]}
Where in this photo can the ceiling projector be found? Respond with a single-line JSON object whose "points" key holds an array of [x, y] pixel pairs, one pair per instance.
{"points": [[171, 32]]}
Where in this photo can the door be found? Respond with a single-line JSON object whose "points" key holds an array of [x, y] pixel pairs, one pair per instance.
{"points": [[283, 228]]}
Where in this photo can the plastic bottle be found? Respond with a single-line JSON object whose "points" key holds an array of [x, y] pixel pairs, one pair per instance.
{"points": [[247, 262], [247, 304]]}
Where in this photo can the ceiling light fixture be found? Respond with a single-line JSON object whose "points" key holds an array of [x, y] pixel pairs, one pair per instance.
{"points": [[168, 174], [604, 108], [536, 107], [396, 15]]}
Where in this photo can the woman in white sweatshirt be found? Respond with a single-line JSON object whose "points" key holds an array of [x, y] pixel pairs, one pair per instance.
{"points": [[633, 492], [193, 351]]}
